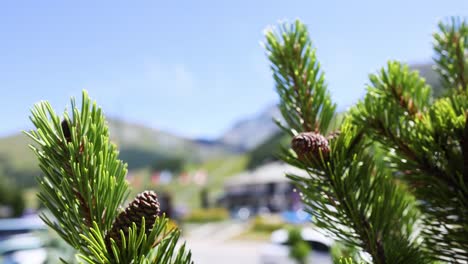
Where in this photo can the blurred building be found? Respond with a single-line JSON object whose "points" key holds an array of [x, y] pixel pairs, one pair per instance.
{"points": [[265, 189]]}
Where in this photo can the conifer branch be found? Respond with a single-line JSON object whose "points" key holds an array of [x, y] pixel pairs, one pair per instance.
{"points": [[83, 185], [300, 82], [451, 47], [347, 192], [426, 148]]}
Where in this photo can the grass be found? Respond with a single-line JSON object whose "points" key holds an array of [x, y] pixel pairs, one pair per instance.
{"points": [[261, 227], [189, 194], [221, 169], [218, 170], [253, 235]]}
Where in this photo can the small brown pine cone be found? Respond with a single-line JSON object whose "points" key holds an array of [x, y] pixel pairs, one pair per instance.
{"points": [[145, 205], [308, 145], [66, 130]]}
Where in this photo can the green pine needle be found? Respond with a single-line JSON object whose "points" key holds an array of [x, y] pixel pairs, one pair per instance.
{"points": [[83, 185]]}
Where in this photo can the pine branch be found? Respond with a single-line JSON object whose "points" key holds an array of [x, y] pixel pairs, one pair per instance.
{"points": [[83, 186], [300, 82], [392, 141], [346, 199], [451, 47], [350, 196], [425, 149], [144, 206]]}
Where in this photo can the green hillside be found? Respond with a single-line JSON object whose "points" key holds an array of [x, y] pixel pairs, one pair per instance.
{"points": [[17, 163], [143, 147], [139, 146], [187, 194]]}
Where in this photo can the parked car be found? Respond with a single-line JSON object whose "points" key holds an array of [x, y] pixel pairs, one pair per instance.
{"points": [[277, 250], [19, 242], [23, 225], [24, 248]]}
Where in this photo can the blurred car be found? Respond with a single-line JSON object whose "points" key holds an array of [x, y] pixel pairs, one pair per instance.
{"points": [[277, 250], [23, 225], [296, 216], [242, 213], [24, 248]]}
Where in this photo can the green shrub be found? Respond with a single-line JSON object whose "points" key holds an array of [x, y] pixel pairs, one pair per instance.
{"points": [[299, 248], [207, 215], [266, 224]]}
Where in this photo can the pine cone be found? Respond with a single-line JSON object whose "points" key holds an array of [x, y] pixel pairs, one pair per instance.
{"points": [[66, 130], [146, 205], [308, 145]]}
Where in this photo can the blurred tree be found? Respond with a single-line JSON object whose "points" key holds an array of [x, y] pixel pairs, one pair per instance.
{"points": [[205, 202], [17, 203], [268, 151], [20, 176], [174, 164], [392, 181], [138, 158], [11, 196]]}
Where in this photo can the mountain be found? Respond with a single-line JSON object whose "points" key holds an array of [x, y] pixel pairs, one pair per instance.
{"points": [[134, 138], [248, 133], [139, 146], [432, 77]]}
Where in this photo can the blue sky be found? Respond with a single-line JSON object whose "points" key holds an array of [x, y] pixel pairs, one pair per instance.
{"points": [[193, 67]]}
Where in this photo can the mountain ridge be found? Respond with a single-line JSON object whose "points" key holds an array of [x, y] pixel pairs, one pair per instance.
{"points": [[247, 133], [140, 146]]}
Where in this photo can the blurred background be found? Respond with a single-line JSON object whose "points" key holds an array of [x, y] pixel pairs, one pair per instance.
{"points": [[189, 99]]}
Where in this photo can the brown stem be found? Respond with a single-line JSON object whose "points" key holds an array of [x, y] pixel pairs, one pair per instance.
{"points": [[84, 208], [377, 251], [403, 102], [363, 229], [304, 115], [306, 126], [461, 63], [424, 164], [85, 211], [464, 144]]}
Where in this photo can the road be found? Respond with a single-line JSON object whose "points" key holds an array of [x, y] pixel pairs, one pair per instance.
{"points": [[216, 243], [227, 252], [213, 243]]}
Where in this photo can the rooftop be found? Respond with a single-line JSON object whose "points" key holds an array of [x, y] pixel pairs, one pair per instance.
{"points": [[270, 173]]}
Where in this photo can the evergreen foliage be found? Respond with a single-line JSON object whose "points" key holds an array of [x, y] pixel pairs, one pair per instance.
{"points": [[83, 185], [270, 149], [393, 182]]}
